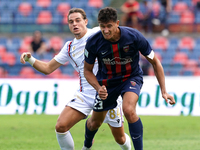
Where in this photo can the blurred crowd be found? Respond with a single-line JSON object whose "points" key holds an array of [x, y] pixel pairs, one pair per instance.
{"points": [[157, 15]]}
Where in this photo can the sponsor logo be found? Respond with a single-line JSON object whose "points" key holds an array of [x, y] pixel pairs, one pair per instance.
{"points": [[78, 53], [132, 87], [103, 52], [137, 137], [118, 120], [117, 60]]}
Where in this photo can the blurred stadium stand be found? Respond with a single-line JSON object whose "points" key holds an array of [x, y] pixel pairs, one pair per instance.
{"points": [[179, 52]]}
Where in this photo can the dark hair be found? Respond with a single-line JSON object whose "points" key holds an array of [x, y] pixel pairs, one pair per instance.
{"points": [[77, 10], [107, 14]]}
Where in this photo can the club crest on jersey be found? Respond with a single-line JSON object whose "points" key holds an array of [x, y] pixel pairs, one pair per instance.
{"points": [[133, 83], [126, 48]]}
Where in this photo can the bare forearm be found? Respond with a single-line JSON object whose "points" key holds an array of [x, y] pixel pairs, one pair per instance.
{"points": [[159, 73], [42, 67], [92, 80]]}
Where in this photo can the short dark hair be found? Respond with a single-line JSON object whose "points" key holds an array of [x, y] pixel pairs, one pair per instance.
{"points": [[77, 10], [107, 14]]}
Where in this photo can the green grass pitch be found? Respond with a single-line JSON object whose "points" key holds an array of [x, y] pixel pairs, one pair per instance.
{"points": [[37, 132]]}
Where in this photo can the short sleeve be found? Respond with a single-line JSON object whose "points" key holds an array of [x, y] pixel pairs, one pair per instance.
{"points": [[62, 56], [143, 45], [89, 52]]}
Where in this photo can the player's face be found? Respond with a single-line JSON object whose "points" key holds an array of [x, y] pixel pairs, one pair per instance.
{"points": [[110, 31], [77, 25]]}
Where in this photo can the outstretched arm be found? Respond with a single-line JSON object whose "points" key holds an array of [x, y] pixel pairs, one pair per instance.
{"points": [[41, 66], [92, 80], [159, 73]]}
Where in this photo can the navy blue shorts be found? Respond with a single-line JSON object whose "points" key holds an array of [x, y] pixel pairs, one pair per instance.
{"points": [[133, 84]]}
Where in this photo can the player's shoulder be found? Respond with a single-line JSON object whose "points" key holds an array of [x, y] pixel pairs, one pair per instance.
{"points": [[95, 37], [93, 30], [130, 32], [67, 44]]}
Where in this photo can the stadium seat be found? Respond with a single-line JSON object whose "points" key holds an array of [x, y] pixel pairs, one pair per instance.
{"points": [[25, 43], [174, 18], [44, 17], [194, 55], [3, 41], [56, 43], [186, 43], [188, 72], [63, 8], [180, 57], [160, 43], [159, 56], [27, 40], [174, 72], [177, 65], [95, 3], [27, 72], [197, 18], [151, 72], [13, 71], [3, 73], [197, 21], [47, 56], [173, 44], [57, 18], [68, 70], [56, 74], [25, 8], [8, 58], [174, 22], [65, 18], [191, 64], [25, 19], [6, 16], [197, 72], [180, 7], [16, 41], [2, 50], [43, 3], [187, 17]]}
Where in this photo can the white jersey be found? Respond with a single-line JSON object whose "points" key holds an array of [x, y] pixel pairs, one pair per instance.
{"points": [[73, 51]]}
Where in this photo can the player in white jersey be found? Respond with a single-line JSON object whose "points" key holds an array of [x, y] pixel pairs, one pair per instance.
{"points": [[82, 104]]}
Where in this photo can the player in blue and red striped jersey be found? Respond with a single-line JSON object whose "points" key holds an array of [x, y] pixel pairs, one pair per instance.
{"points": [[117, 49]]}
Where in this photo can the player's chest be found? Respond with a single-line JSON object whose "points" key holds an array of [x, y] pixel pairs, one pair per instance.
{"points": [[76, 53], [117, 50]]}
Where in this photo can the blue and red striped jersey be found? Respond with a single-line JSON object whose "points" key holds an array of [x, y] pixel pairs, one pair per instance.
{"points": [[119, 60]]}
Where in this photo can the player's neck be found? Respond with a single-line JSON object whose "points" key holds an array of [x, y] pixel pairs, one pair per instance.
{"points": [[116, 36], [80, 35]]}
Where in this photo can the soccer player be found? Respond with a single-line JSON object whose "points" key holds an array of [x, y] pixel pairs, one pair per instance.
{"points": [[117, 49], [82, 104]]}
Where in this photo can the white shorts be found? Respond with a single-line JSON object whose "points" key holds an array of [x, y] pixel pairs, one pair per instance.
{"points": [[84, 103]]}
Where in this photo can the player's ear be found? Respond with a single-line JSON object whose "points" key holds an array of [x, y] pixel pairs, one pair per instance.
{"points": [[117, 22], [86, 21]]}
